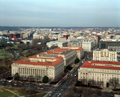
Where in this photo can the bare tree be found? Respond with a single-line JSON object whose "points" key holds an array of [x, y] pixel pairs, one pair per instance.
{"points": [[30, 78], [70, 93], [37, 78], [114, 82], [91, 82], [83, 81], [99, 83]]}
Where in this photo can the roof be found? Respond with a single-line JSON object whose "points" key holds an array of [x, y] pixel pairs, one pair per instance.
{"points": [[73, 48], [59, 59], [58, 42], [79, 49], [39, 63], [87, 64]]}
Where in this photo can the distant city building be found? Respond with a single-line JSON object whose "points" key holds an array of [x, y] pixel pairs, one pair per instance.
{"points": [[4, 38], [105, 55], [14, 34], [57, 43], [105, 43], [79, 51], [87, 45], [27, 41], [117, 48], [66, 36]]}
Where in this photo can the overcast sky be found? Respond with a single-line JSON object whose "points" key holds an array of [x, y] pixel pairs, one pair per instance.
{"points": [[62, 13]]}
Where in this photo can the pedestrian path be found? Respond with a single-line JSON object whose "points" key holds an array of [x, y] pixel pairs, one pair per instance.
{"points": [[106, 90]]}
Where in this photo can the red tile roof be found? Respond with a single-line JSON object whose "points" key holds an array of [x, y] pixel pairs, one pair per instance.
{"points": [[58, 60], [87, 64], [39, 63], [79, 49]]}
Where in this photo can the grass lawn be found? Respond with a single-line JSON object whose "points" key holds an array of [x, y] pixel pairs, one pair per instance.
{"points": [[23, 92], [5, 54], [4, 93]]}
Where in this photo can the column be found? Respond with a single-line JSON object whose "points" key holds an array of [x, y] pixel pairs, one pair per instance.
{"points": [[41, 73], [21, 71]]}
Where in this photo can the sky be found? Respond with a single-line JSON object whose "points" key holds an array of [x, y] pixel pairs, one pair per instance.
{"points": [[60, 13]]}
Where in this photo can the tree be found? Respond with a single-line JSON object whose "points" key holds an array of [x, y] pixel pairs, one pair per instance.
{"points": [[45, 79], [69, 67], [6, 60], [16, 76], [99, 83], [70, 93], [114, 82], [76, 60], [91, 83], [30, 78], [37, 78]]}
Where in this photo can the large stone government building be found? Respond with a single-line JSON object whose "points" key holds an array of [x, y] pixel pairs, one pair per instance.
{"points": [[51, 63], [99, 71], [103, 67]]}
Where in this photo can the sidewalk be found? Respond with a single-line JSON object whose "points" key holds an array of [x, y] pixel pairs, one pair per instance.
{"points": [[106, 90]]}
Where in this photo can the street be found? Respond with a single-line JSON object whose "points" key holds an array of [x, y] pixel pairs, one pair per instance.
{"points": [[65, 85]]}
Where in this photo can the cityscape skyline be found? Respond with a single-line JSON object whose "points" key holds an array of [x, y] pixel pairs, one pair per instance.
{"points": [[45, 13]]}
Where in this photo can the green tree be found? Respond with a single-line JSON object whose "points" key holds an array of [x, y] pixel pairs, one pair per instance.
{"points": [[45, 79], [69, 67], [16, 76], [76, 61]]}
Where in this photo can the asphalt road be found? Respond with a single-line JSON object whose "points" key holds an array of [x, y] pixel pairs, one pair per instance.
{"points": [[64, 86]]}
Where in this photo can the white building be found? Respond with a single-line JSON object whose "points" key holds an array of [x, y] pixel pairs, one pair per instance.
{"points": [[37, 67], [79, 51], [105, 55], [99, 71], [57, 43], [27, 41], [50, 63], [87, 44], [68, 55]]}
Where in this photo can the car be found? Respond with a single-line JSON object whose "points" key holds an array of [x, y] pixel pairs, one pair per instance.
{"points": [[40, 84], [10, 81]]}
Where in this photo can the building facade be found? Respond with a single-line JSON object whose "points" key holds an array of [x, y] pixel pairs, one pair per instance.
{"points": [[105, 55], [57, 43], [103, 44], [38, 67], [79, 51], [87, 45], [99, 71], [51, 63]]}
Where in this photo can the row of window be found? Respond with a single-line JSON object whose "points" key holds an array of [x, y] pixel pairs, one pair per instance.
{"points": [[30, 71], [103, 70]]}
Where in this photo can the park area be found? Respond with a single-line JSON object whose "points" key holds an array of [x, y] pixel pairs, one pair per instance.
{"points": [[5, 93], [3, 55], [20, 92]]}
